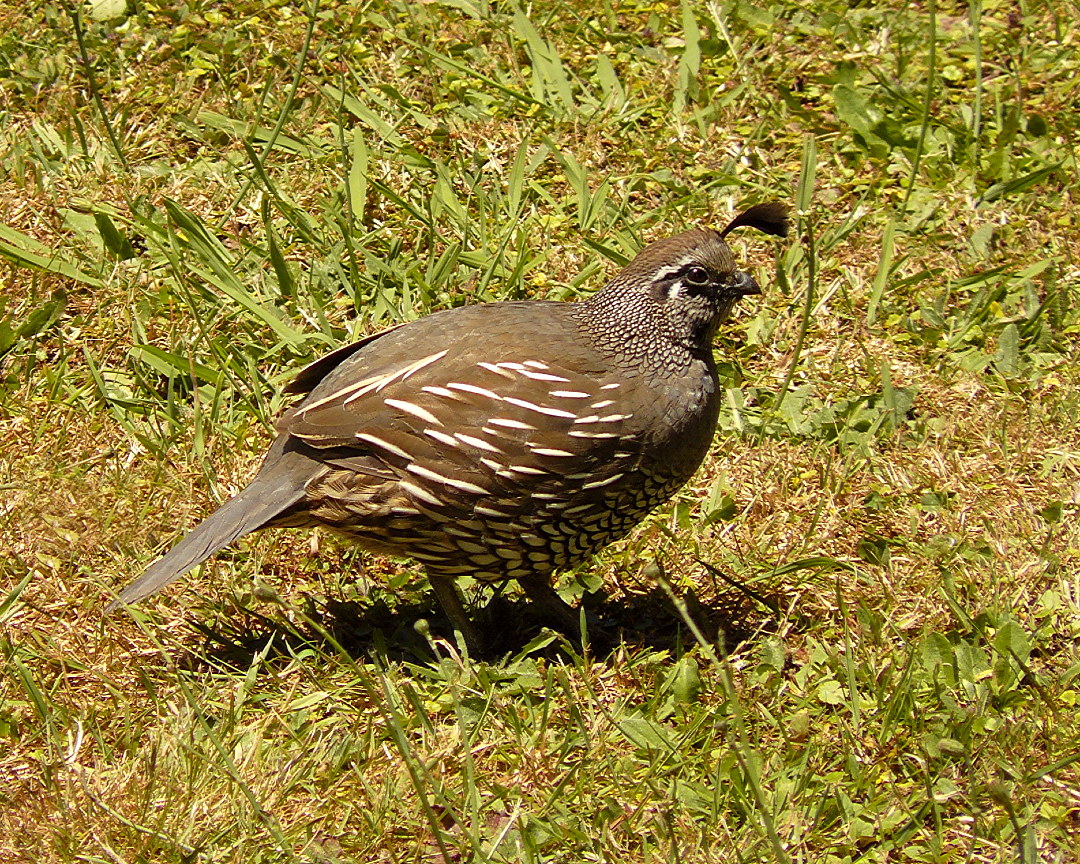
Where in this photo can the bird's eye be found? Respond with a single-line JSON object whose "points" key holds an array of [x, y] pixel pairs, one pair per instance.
{"points": [[697, 276]]}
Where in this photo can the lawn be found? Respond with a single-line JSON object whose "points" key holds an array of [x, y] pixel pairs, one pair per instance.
{"points": [[853, 636]]}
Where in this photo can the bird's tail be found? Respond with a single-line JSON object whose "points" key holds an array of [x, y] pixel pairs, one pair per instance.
{"points": [[279, 484]]}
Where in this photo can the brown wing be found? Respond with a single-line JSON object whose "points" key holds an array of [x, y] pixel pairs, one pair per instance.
{"points": [[475, 429]]}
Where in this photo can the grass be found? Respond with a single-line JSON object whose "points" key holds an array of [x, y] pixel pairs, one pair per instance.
{"points": [[880, 556]]}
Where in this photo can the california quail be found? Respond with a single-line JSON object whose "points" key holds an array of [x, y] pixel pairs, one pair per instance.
{"points": [[505, 440]]}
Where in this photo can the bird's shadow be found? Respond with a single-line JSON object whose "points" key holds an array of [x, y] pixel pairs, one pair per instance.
{"points": [[417, 631]]}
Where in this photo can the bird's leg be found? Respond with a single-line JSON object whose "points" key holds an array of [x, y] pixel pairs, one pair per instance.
{"points": [[450, 600], [550, 604]]}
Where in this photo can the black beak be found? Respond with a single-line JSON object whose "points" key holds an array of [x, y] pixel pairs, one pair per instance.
{"points": [[744, 284]]}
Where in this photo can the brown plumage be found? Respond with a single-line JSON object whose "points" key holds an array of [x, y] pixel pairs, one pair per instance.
{"points": [[502, 441]]}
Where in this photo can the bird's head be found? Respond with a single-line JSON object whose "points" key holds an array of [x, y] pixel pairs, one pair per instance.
{"points": [[685, 286]]}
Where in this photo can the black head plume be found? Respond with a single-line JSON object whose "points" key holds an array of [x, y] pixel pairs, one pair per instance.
{"points": [[771, 217]]}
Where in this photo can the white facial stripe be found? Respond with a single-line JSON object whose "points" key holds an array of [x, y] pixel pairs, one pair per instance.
{"points": [[672, 269]]}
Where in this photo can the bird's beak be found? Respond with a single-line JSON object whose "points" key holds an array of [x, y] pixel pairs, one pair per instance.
{"points": [[745, 284]]}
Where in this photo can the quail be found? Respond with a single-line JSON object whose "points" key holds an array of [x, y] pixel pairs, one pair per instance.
{"points": [[503, 441]]}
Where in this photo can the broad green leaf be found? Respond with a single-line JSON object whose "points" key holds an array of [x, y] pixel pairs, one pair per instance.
{"points": [[1011, 639], [106, 10], [113, 238], [1007, 358], [686, 681], [646, 734]]}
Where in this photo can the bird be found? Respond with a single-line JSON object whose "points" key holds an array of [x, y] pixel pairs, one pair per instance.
{"points": [[501, 441]]}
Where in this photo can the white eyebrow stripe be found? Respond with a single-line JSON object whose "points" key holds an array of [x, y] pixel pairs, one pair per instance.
{"points": [[670, 270], [415, 410], [540, 409], [463, 485], [472, 388], [383, 444], [479, 443]]}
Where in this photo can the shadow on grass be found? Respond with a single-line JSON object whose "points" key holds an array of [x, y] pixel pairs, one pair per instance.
{"points": [[380, 627]]}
